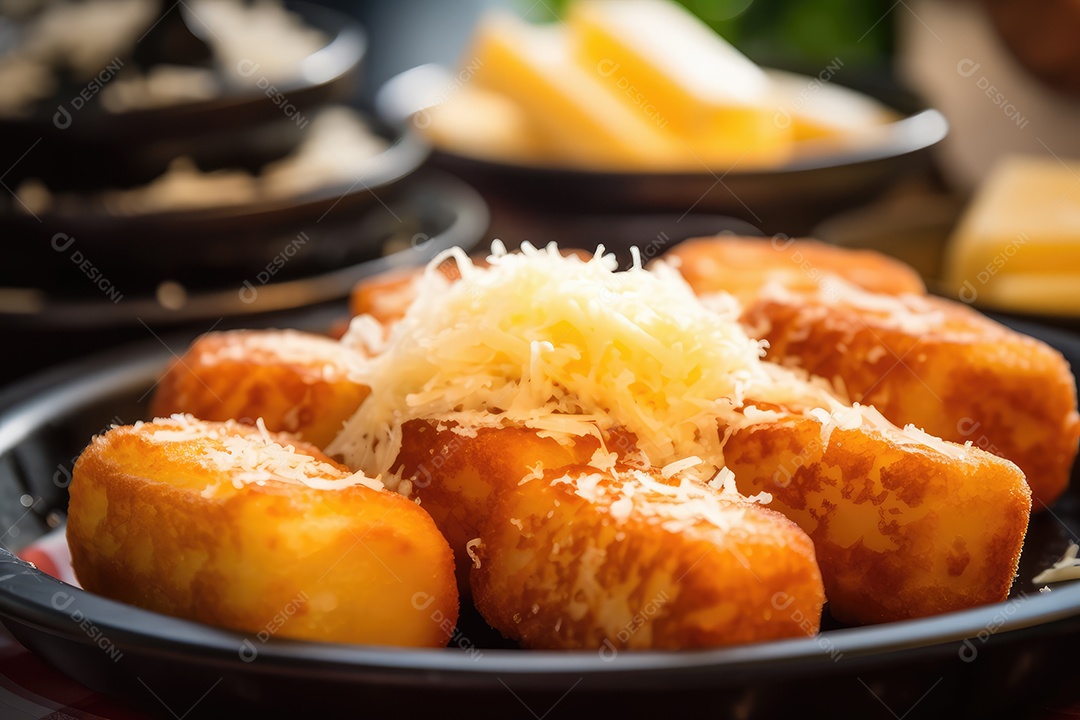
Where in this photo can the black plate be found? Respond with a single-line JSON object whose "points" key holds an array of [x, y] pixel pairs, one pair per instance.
{"points": [[1008, 658]]}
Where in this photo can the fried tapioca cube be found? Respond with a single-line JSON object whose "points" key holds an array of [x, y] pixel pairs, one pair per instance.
{"points": [[583, 559], [904, 525], [232, 526], [296, 382], [940, 366], [864, 322]]}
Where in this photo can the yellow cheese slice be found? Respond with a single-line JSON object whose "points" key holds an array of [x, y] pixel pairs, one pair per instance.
{"points": [[1018, 246], [818, 108], [664, 63], [577, 113], [484, 124]]}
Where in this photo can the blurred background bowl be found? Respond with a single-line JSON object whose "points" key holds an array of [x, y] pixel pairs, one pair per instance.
{"points": [[431, 214], [94, 148], [790, 198], [200, 246]]}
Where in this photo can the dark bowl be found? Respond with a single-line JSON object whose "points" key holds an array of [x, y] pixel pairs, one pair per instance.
{"points": [[790, 198], [1002, 660], [434, 212], [90, 148], [198, 246]]}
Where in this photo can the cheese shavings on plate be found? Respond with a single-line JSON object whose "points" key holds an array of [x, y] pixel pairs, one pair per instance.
{"points": [[1067, 568]]}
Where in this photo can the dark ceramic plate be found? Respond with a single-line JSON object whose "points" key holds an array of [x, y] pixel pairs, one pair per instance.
{"points": [[1004, 659]]}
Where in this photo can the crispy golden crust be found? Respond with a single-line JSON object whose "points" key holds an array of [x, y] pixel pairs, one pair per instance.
{"points": [[742, 266], [901, 530], [152, 524], [388, 295], [296, 382], [562, 571], [456, 478], [946, 369], [696, 585]]}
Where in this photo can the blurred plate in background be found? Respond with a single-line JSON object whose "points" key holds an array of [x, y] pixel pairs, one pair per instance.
{"points": [[792, 197], [431, 214], [92, 147], [194, 246]]}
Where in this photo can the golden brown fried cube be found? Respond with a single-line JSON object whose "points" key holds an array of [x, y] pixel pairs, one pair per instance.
{"points": [[743, 266], [296, 382], [580, 559], [940, 366], [222, 524], [456, 476], [902, 528], [672, 561], [387, 296], [936, 364]]}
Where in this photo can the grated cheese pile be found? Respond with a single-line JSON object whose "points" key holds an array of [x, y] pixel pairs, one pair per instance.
{"points": [[570, 347], [251, 455], [561, 345]]}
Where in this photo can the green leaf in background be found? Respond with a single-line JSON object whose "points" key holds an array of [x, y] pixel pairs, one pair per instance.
{"points": [[795, 34]]}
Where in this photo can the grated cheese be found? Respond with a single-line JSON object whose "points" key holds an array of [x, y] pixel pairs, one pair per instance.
{"points": [[602, 460], [249, 455], [876, 353], [564, 346], [535, 473], [674, 468], [571, 348], [470, 548], [1067, 568]]}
